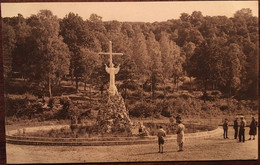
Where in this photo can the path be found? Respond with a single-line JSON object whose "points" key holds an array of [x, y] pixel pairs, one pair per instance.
{"points": [[215, 148]]}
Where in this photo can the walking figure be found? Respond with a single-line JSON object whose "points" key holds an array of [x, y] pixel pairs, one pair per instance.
{"points": [[253, 126], [161, 134], [242, 129], [180, 133], [235, 127], [225, 128]]}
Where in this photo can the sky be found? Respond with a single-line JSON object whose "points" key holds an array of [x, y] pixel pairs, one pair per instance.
{"points": [[131, 11]]}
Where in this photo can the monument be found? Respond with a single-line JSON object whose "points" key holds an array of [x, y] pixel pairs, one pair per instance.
{"points": [[113, 116]]}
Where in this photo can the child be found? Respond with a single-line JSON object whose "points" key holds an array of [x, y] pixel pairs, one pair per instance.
{"points": [[225, 128], [180, 133], [161, 134]]}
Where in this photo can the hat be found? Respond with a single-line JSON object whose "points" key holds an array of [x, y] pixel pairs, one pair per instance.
{"points": [[241, 117]]}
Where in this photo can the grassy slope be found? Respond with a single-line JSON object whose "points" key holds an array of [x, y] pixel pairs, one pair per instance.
{"points": [[210, 117]]}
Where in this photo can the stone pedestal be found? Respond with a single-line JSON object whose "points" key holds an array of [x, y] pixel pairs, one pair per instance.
{"points": [[113, 116]]}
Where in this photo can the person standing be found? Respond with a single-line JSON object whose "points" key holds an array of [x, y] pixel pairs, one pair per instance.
{"points": [[242, 129], [235, 126], [225, 128], [253, 126], [180, 133], [161, 134]]}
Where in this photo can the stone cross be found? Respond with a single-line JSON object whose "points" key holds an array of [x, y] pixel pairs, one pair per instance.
{"points": [[111, 70]]}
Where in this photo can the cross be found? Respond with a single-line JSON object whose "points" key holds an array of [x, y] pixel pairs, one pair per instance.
{"points": [[110, 53]]}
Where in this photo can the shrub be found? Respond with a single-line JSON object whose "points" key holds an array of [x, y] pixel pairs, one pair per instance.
{"points": [[142, 109], [52, 102], [223, 107]]}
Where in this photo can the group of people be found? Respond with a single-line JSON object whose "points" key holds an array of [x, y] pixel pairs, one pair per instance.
{"points": [[180, 135], [240, 129]]}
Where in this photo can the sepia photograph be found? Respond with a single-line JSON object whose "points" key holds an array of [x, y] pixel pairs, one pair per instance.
{"points": [[145, 82]]}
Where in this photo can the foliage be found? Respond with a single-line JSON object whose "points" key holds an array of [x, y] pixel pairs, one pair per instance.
{"points": [[216, 52], [9, 41]]}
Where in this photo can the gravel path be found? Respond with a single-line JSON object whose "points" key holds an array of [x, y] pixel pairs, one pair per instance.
{"points": [[214, 148]]}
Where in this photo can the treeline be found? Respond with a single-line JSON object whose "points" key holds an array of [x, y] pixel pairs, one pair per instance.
{"points": [[219, 52]]}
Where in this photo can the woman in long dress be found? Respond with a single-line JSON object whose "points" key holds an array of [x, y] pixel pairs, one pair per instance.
{"points": [[180, 133], [253, 126]]}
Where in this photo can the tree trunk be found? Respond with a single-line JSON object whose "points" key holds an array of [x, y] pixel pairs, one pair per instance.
{"points": [[190, 84], [71, 79], [125, 93], [90, 99], [164, 90], [102, 89], [205, 85], [85, 85], [177, 83], [151, 92], [142, 94], [230, 91], [77, 83], [49, 84]]}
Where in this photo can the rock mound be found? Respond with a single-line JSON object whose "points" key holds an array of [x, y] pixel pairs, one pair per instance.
{"points": [[113, 116]]}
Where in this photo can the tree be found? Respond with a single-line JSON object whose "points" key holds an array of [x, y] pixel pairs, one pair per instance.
{"points": [[49, 56], [95, 23], [77, 37], [188, 50], [127, 75], [178, 61], [234, 67], [154, 52], [196, 18], [166, 56], [9, 42], [90, 62], [201, 64], [250, 84], [23, 32], [141, 58]]}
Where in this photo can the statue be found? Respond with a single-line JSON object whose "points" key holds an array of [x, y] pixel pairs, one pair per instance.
{"points": [[113, 115], [112, 71]]}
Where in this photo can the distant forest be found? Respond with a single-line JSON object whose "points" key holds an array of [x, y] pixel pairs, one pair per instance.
{"points": [[219, 52]]}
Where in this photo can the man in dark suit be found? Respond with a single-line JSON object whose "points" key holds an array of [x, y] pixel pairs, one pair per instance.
{"points": [[235, 127], [242, 129]]}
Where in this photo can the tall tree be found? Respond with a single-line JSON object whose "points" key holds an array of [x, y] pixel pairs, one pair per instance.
{"points": [[141, 58], [49, 58], [90, 61], [188, 50], [9, 42], [76, 36], [20, 54], [154, 52], [178, 61], [234, 63]]}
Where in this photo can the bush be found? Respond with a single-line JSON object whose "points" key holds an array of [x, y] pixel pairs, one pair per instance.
{"points": [[142, 109], [223, 107], [166, 112], [52, 102]]}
